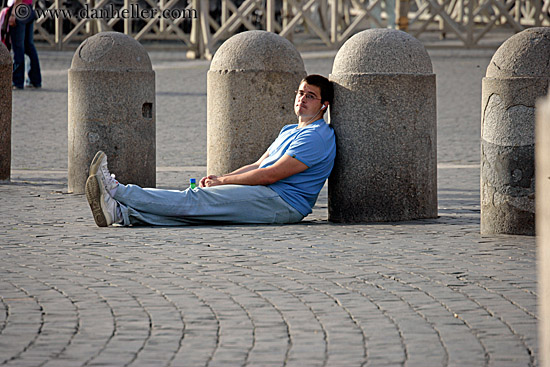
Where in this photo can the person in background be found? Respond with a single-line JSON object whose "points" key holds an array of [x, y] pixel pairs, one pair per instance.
{"points": [[22, 33]]}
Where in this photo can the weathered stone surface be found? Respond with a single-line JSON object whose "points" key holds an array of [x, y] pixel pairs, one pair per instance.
{"points": [[382, 51], [524, 54], [112, 108], [516, 77], [250, 94], [257, 51], [384, 117], [542, 156], [6, 67], [111, 51]]}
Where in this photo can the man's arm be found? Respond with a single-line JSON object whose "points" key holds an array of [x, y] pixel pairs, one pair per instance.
{"points": [[249, 167], [286, 166], [243, 169]]}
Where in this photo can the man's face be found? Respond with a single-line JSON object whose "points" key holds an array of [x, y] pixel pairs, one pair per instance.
{"points": [[308, 101]]}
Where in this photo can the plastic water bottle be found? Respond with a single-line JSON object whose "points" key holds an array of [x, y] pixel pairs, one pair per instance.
{"points": [[192, 183]]}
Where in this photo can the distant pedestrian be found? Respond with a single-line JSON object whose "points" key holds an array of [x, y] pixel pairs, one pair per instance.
{"points": [[22, 41]]}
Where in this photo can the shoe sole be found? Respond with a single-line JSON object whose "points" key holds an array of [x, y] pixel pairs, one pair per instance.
{"points": [[93, 191], [93, 194], [94, 166]]}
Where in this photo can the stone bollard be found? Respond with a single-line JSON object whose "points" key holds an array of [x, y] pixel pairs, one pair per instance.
{"points": [[112, 108], [6, 68], [517, 75], [250, 96], [542, 159], [384, 117]]}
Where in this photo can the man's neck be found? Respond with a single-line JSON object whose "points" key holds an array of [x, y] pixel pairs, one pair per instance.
{"points": [[306, 121]]}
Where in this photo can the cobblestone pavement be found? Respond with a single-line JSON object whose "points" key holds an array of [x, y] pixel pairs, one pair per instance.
{"points": [[419, 293]]}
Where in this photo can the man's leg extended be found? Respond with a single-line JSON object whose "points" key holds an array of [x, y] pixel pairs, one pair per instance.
{"points": [[218, 204]]}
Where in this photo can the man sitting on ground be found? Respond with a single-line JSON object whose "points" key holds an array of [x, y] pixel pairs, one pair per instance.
{"points": [[280, 187]]}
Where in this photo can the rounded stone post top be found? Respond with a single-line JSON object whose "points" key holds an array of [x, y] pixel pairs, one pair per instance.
{"points": [[111, 51], [382, 51], [5, 56], [257, 51], [526, 54]]}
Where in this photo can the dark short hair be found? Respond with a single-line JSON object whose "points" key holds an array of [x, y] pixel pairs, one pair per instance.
{"points": [[327, 90]]}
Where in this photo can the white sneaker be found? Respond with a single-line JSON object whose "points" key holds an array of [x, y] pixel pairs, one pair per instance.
{"points": [[98, 188]]}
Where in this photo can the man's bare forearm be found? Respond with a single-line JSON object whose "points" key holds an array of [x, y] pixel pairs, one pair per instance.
{"points": [[286, 166], [243, 169], [251, 176]]}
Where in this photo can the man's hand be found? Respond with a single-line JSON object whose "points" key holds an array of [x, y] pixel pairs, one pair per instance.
{"points": [[202, 182], [12, 20], [213, 181]]}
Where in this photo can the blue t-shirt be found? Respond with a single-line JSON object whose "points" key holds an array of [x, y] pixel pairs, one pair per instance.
{"points": [[315, 146]]}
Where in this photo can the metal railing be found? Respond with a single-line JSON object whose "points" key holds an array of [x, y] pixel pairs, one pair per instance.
{"points": [[207, 24], [471, 20]]}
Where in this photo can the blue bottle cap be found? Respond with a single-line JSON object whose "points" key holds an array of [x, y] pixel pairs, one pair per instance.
{"points": [[192, 180]]}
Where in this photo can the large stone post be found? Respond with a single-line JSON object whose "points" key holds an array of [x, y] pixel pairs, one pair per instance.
{"points": [[517, 75], [112, 108], [542, 159], [384, 117], [250, 97], [6, 68]]}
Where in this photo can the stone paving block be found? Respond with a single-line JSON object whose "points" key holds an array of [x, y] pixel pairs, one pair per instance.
{"points": [[309, 294]]}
